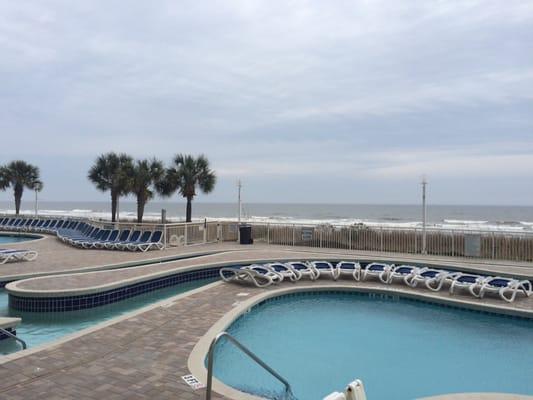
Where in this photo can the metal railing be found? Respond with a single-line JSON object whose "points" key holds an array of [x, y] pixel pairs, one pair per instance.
{"points": [[11, 335], [495, 245], [211, 362]]}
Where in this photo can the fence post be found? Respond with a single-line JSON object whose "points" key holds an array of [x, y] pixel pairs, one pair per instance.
{"points": [[165, 235], [293, 235], [320, 244], [381, 239], [493, 250], [268, 233], [350, 238], [185, 234]]}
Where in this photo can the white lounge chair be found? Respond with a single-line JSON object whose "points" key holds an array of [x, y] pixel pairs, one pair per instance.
{"points": [[304, 269], [466, 281], [256, 274], [285, 270], [507, 288], [432, 278], [349, 268], [379, 270], [8, 255], [324, 268], [402, 272]]}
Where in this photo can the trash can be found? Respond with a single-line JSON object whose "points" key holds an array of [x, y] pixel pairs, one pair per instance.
{"points": [[245, 234]]}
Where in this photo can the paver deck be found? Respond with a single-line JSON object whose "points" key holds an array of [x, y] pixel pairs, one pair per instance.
{"points": [[56, 257], [144, 355], [141, 356]]}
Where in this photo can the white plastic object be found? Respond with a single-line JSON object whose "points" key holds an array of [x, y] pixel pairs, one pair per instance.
{"points": [[355, 391], [335, 396]]}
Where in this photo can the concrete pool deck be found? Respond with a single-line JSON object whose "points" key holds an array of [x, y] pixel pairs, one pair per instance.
{"points": [[143, 355]]}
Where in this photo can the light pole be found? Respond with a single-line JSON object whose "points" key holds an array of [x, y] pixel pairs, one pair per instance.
{"points": [[424, 215], [239, 186], [37, 187]]}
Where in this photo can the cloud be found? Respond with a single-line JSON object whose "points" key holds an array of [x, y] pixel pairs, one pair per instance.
{"points": [[302, 88]]}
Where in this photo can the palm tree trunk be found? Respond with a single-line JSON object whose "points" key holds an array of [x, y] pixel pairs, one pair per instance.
{"points": [[140, 208], [114, 200], [18, 197], [189, 210]]}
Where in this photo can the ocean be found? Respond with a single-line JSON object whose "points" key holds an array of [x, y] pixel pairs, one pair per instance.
{"points": [[509, 218]]}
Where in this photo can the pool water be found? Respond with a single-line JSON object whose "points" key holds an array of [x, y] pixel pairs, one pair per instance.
{"points": [[4, 238], [401, 349], [40, 328]]}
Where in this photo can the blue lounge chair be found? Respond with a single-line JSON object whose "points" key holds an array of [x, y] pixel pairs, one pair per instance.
{"points": [[134, 238], [156, 241], [304, 269], [324, 268], [8, 255], [123, 237], [379, 270], [349, 268], [143, 240], [285, 271]]}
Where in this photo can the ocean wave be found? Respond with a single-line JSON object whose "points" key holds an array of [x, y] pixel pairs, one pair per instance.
{"points": [[386, 222]]}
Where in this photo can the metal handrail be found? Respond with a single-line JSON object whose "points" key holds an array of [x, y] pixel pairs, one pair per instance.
{"points": [[7, 333], [211, 361]]}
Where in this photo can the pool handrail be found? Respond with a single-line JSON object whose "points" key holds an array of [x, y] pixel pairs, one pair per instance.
{"points": [[245, 350], [11, 335]]}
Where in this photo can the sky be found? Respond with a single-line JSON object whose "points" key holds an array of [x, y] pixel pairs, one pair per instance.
{"points": [[305, 101]]}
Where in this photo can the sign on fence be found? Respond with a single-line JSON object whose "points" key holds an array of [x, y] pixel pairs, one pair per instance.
{"points": [[472, 245], [307, 233]]}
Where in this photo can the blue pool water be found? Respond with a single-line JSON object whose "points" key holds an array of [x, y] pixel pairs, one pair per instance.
{"points": [[6, 238], [401, 349], [40, 328]]}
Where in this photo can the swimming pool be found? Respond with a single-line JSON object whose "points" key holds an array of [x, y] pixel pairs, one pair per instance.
{"points": [[400, 348], [38, 328], [8, 238]]}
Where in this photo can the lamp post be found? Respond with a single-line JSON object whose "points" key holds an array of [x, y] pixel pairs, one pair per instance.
{"points": [[424, 215], [37, 187], [239, 187]]}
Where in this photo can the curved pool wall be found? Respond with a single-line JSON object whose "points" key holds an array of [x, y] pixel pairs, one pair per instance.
{"points": [[98, 299], [38, 328], [45, 302], [11, 238], [401, 348]]}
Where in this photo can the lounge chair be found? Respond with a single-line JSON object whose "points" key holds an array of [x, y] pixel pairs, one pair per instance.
{"points": [[112, 238], [260, 277], [102, 236], [507, 288], [156, 241], [466, 281], [402, 272], [304, 269], [124, 235], [285, 270], [324, 268], [143, 240], [124, 245], [349, 268], [7, 255], [379, 270], [432, 278]]}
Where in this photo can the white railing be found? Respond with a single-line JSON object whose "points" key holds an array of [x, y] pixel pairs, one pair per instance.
{"points": [[501, 245]]}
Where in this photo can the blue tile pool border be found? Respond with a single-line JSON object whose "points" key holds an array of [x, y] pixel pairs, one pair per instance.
{"points": [[75, 303]]}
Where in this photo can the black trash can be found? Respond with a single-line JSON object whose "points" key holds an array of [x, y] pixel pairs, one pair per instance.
{"points": [[245, 234]]}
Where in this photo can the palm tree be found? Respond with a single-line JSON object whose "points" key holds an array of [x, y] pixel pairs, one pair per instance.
{"points": [[185, 176], [19, 174], [111, 171], [145, 177]]}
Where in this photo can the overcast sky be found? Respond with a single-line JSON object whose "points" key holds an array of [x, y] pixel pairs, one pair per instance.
{"points": [[306, 101]]}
